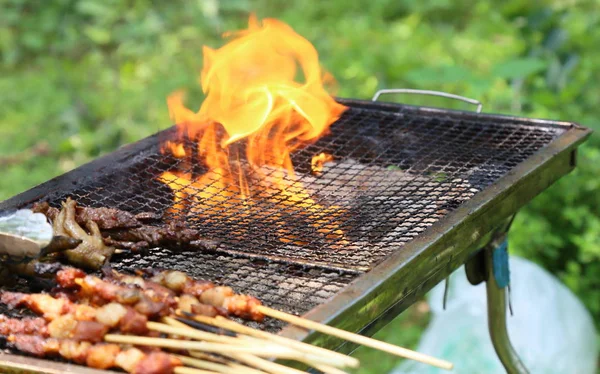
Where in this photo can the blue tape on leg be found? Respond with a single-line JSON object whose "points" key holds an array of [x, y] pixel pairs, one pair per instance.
{"points": [[500, 264]]}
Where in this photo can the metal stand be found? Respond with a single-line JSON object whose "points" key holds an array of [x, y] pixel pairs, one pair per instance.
{"points": [[496, 305], [491, 265]]}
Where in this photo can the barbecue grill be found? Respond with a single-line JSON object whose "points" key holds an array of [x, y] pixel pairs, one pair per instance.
{"points": [[416, 192]]}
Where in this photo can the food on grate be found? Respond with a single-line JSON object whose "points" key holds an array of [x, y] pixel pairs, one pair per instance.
{"points": [[97, 355], [92, 252], [83, 312], [82, 309], [105, 218], [174, 235], [65, 315], [221, 299], [109, 228], [26, 325]]}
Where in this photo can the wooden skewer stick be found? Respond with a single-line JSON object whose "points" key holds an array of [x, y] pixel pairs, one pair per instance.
{"points": [[327, 369], [263, 351], [261, 363], [336, 358], [187, 370], [176, 329], [212, 357], [194, 334], [313, 360], [219, 368], [355, 338]]}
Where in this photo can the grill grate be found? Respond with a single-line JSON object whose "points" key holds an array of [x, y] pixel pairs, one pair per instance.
{"points": [[396, 171]]}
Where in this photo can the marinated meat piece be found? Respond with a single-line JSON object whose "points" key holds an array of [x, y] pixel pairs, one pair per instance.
{"points": [[102, 356], [186, 303], [90, 331], [111, 314], [44, 304], [121, 229], [174, 235], [181, 282], [153, 290], [128, 359], [27, 326], [156, 363], [62, 327], [243, 306], [133, 322], [105, 218], [33, 344], [66, 277], [207, 310]]}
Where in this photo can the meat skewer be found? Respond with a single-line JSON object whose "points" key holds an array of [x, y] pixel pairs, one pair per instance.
{"points": [[133, 298], [98, 355], [67, 317], [82, 315], [208, 295], [156, 296], [100, 292]]}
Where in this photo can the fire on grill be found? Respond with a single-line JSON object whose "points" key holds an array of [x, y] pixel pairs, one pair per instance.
{"points": [[234, 166], [255, 115]]}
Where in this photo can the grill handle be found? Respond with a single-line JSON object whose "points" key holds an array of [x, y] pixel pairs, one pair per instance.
{"points": [[428, 92]]}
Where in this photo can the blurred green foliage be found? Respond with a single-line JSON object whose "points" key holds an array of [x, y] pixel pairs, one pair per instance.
{"points": [[81, 77]]}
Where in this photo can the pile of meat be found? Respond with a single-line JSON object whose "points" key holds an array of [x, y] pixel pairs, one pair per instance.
{"points": [[102, 230], [81, 309]]}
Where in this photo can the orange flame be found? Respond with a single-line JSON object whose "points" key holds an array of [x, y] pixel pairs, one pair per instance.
{"points": [[256, 113]]}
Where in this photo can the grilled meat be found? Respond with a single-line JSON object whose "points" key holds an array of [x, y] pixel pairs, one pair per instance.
{"points": [[120, 229], [68, 313], [174, 235], [105, 218], [222, 298], [99, 355], [27, 325], [92, 252]]}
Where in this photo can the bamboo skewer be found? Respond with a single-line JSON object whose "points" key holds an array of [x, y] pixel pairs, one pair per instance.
{"points": [[187, 370], [335, 357], [355, 338], [219, 368], [212, 357], [238, 367], [316, 362], [194, 334], [309, 359], [262, 364], [272, 351]]}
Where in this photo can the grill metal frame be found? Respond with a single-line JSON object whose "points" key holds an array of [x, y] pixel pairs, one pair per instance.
{"points": [[374, 298]]}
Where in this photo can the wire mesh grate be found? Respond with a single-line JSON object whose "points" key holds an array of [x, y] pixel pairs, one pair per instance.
{"points": [[394, 174]]}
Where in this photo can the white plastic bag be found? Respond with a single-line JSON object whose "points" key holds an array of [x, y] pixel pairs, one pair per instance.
{"points": [[551, 330]]}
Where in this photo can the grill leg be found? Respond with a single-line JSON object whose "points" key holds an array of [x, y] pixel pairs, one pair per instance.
{"points": [[496, 270]]}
